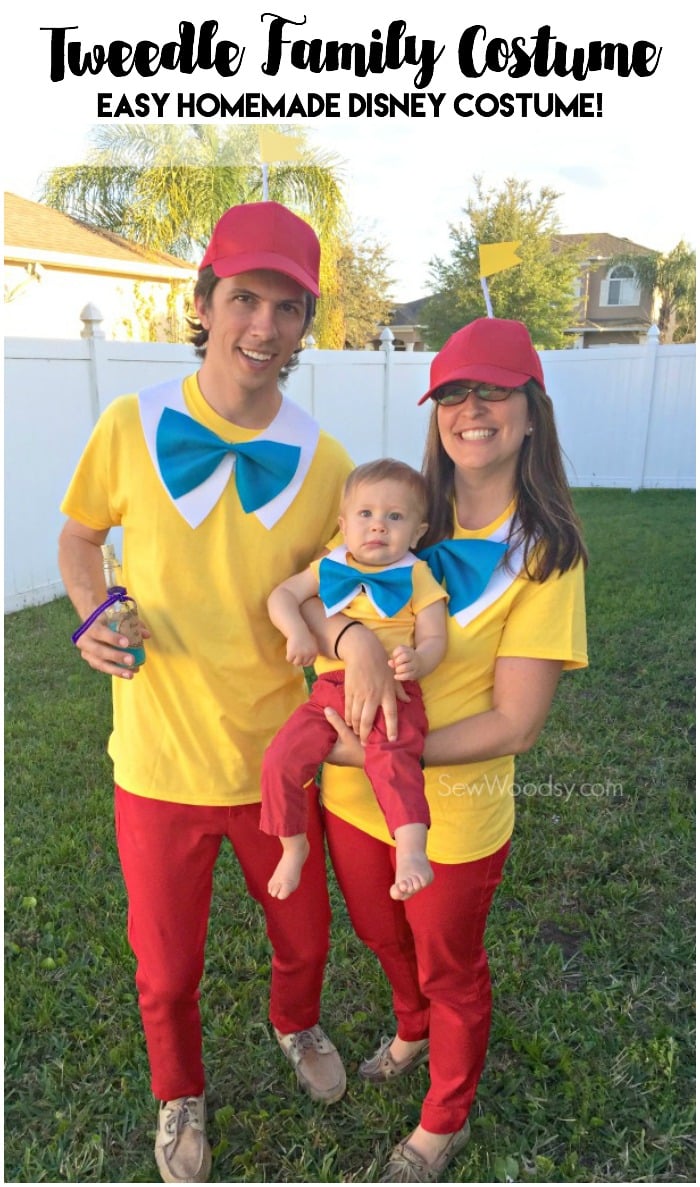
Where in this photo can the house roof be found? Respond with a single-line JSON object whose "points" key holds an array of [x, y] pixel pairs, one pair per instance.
{"points": [[600, 245], [408, 314], [37, 232]]}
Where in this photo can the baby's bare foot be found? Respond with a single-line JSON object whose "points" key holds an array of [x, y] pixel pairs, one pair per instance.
{"points": [[413, 873], [287, 872]]}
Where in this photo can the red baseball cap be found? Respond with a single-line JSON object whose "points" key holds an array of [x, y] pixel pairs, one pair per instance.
{"points": [[264, 235], [488, 350]]}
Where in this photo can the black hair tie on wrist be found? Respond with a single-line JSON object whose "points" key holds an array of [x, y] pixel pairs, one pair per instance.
{"points": [[355, 622]]}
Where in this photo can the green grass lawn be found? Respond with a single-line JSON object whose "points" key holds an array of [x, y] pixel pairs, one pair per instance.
{"points": [[590, 1071]]}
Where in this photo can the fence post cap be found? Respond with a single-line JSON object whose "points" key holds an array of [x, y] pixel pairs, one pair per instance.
{"points": [[92, 319], [387, 339]]}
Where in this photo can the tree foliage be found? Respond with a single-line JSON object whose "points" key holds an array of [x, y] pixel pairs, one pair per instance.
{"points": [[671, 278], [165, 186], [365, 284], [539, 292]]}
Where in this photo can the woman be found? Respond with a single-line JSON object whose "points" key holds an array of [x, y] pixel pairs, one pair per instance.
{"points": [[504, 534]]}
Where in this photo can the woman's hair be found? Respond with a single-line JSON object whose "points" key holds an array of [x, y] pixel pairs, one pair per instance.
{"points": [[388, 469], [545, 521], [204, 291]]}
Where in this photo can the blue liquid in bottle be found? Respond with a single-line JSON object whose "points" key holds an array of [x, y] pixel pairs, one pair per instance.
{"points": [[122, 616], [139, 653]]}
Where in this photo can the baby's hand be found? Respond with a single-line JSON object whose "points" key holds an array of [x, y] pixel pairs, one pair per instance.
{"points": [[405, 662], [302, 648]]}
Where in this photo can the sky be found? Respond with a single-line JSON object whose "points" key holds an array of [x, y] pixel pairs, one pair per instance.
{"points": [[625, 169]]}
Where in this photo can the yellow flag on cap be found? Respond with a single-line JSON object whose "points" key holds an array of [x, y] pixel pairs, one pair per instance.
{"points": [[496, 257], [275, 146]]}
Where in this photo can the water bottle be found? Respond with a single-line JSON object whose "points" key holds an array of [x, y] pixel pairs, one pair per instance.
{"points": [[122, 616]]}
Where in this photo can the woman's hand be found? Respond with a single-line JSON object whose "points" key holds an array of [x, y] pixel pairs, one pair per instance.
{"points": [[369, 684], [348, 751]]}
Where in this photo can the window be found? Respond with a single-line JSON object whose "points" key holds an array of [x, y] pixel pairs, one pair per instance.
{"points": [[620, 287]]}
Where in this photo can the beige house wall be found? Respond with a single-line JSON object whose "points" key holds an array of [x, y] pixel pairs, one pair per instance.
{"points": [[42, 302], [612, 313]]}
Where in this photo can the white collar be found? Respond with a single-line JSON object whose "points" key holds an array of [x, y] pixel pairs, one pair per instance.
{"points": [[502, 577], [339, 555], [291, 426]]}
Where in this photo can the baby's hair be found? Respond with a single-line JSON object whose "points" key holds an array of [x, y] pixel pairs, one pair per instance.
{"points": [[387, 469]]}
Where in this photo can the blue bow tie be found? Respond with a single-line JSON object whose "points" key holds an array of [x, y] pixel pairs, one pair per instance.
{"points": [[188, 453], [465, 567], [390, 589]]}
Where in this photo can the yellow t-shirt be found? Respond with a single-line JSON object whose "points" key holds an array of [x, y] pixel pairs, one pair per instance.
{"points": [[472, 805], [397, 630], [192, 726]]}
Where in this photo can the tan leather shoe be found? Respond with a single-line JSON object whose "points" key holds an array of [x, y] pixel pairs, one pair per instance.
{"points": [[382, 1067], [183, 1154], [318, 1066], [406, 1165]]}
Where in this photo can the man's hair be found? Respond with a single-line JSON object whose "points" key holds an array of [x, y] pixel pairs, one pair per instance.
{"points": [[388, 469], [204, 291]]}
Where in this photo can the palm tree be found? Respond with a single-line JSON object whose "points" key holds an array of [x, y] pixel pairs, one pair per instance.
{"points": [[165, 186], [671, 278]]}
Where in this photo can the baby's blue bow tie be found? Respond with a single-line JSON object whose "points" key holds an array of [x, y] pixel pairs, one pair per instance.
{"points": [[465, 567], [188, 453], [389, 589]]}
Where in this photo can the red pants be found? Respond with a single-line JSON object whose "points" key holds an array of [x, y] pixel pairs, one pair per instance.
{"points": [[431, 949], [168, 852], [297, 750]]}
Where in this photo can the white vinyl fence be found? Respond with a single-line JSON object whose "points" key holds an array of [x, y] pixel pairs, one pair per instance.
{"points": [[626, 417]]}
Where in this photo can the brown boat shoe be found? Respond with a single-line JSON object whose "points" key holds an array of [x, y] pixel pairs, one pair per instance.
{"points": [[182, 1151], [316, 1062], [381, 1067], [406, 1165]]}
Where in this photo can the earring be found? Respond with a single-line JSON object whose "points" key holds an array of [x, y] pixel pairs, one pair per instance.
{"points": [[529, 430]]}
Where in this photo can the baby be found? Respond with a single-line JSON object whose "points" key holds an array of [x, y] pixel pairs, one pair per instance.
{"points": [[374, 579]]}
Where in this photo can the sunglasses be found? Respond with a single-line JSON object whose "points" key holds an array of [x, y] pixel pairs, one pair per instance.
{"points": [[450, 396]]}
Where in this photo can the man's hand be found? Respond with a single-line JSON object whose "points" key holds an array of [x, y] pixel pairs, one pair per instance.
{"points": [[80, 562], [103, 650]]}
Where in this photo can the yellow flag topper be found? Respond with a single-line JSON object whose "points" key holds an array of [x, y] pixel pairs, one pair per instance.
{"points": [[496, 257], [275, 146]]}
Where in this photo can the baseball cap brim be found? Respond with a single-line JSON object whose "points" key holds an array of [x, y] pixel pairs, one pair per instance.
{"points": [[267, 261]]}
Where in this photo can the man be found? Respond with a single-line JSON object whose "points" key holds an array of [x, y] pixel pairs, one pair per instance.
{"points": [[223, 488]]}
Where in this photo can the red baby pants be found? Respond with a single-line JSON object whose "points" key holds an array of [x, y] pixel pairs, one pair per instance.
{"points": [[393, 768]]}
